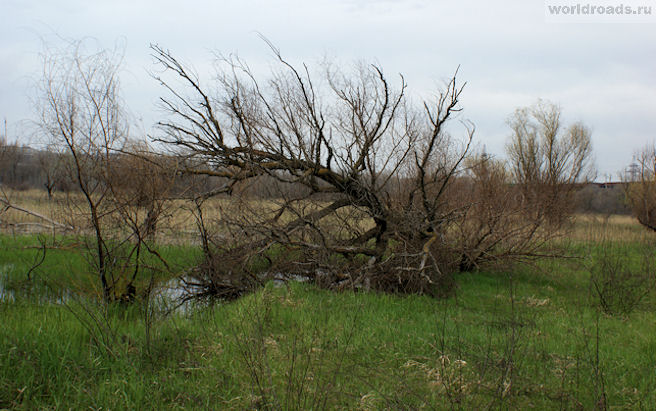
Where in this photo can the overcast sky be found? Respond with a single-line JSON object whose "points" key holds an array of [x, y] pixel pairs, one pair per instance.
{"points": [[603, 74]]}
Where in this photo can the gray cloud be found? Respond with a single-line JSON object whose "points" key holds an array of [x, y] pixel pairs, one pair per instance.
{"points": [[601, 74]]}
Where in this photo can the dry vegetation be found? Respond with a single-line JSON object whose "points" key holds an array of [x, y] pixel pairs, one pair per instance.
{"points": [[594, 227], [178, 225]]}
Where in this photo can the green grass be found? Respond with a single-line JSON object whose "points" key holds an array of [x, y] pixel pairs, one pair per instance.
{"points": [[68, 266], [532, 337]]}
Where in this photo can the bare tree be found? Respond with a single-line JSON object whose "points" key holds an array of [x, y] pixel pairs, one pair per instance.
{"points": [[511, 210], [548, 159], [50, 163], [81, 112], [375, 170], [82, 115], [496, 223], [640, 187], [358, 187]]}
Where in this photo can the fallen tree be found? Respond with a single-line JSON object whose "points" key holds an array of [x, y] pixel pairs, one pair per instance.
{"points": [[382, 203]]}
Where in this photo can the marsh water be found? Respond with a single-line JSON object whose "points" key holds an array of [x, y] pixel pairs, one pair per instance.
{"points": [[5, 294], [167, 296], [33, 291]]}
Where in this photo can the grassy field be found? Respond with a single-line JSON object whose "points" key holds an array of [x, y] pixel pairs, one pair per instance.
{"points": [[535, 337]]}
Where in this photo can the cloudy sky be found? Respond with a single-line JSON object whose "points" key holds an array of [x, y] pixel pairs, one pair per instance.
{"points": [[601, 73]]}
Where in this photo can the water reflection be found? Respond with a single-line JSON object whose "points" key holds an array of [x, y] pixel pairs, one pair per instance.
{"points": [[5, 293]]}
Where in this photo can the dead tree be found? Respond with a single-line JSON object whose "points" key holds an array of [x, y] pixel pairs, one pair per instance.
{"points": [[375, 169]]}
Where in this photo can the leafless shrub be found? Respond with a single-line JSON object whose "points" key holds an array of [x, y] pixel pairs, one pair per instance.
{"points": [[225, 271], [308, 377], [496, 223], [590, 360], [510, 211], [141, 184], [50, 164], [620, 283]]}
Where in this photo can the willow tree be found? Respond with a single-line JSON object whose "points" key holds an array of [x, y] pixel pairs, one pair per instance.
{"points": [[356, 185], [374, 169], [549, 160]]}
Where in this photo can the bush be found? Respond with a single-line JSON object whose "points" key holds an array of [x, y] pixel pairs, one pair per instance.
{"points": [[618, 281]]}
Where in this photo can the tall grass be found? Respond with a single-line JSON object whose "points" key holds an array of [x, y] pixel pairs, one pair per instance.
{"points": [[531, 337], [298, 347]]}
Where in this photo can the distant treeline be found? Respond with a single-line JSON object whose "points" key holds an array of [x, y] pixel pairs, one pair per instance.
{"points": [[23, 167], [603, 198]]}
